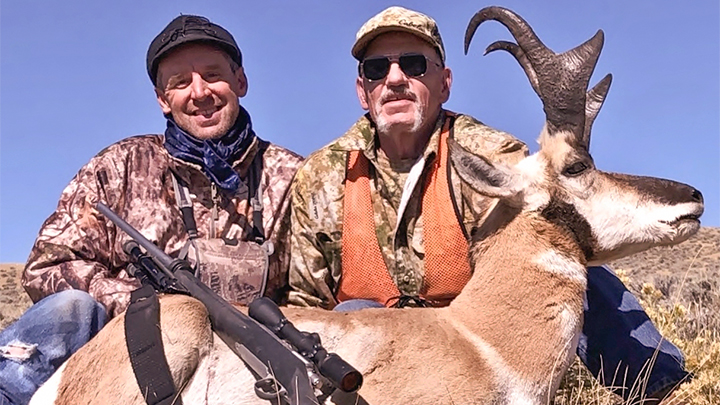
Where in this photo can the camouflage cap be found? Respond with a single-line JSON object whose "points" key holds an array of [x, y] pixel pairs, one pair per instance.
{"points": [[398, 19]]}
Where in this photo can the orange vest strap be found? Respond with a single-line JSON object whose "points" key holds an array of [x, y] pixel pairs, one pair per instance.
{"points": [[364, 272]]}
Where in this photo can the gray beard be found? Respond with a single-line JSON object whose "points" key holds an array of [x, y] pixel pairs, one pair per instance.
{"points": [[384, 127]]}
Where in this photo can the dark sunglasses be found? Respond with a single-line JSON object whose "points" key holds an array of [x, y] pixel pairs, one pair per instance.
{"points": [[412, 64]]}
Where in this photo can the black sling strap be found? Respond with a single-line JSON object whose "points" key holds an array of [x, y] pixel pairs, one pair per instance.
{"points": [[144, 343], [254, 177]]}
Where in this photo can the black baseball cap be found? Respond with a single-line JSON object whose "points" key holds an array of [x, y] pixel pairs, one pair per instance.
{"points": [[185, 29]]}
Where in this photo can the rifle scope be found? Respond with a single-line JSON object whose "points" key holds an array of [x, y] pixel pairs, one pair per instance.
{"points": [[340, 373]]}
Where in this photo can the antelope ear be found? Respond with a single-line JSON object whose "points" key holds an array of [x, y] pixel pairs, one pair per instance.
{"points": [[493, 180]]}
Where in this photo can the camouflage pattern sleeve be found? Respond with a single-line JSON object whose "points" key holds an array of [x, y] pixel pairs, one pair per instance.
{"points": [[73, 248], [279, 169], [309, 271], [78, 248]]}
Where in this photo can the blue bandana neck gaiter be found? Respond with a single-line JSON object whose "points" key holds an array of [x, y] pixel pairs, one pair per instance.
{"points": [[215, 156]]}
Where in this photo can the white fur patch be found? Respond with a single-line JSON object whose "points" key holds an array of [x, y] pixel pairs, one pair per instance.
{"points": [[570, 333], [532, 173], [621, 218], [558, 263], [518, 390], [47, 393]]}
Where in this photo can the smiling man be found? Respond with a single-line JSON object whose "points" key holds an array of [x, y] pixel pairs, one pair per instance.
{"points": [[208, 188], [379, 217]]}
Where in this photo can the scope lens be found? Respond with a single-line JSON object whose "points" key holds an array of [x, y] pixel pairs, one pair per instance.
{"points": [[351, 381]]}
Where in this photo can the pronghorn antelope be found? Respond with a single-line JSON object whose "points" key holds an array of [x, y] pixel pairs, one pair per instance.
{"points": [[509, 337]]}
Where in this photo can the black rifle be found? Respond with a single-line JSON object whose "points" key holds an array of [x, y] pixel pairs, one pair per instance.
{"points": [[281, 372]]}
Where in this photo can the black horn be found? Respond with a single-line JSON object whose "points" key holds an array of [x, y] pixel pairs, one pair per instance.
{"points": [[519, 28], [561, 80], [520, 56], [595, 99]]}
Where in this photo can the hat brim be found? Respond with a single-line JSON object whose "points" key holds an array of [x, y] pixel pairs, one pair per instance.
{"points": [[358, 50]]}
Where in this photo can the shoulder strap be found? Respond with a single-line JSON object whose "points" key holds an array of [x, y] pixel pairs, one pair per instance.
{"points": [[254, 179], [254, 182], [145, 347], [182, 195]]}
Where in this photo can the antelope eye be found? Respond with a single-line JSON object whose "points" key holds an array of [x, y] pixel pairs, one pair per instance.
{"points": [[575, 169]]}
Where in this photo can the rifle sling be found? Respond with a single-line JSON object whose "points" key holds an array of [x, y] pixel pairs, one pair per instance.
{"points": [[144, 343]]}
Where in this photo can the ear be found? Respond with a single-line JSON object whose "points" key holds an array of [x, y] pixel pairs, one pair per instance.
{"points": [[163, 101], [446, 84], [360, 88], [497, 181], [241, 83]]}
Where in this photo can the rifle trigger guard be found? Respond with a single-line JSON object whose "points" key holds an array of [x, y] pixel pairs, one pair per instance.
{"points": [[269, 389]]}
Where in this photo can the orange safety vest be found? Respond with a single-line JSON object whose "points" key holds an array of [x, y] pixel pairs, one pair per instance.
{"points": [[364, 272]]}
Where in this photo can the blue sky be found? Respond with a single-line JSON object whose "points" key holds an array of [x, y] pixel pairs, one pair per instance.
{"points": [[73, 80]]}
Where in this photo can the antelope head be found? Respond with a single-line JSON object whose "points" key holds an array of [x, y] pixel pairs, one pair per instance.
{"points": [[610, 215]]}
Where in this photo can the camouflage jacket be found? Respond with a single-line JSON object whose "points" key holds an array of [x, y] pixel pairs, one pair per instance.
{"points": [[77, 248], [317, 209]]}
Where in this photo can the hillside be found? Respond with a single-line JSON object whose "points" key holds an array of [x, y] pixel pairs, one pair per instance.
{"points": [[685, 274]]}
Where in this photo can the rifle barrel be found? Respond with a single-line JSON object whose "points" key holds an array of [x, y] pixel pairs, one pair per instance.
{"points": [[149, 247]]}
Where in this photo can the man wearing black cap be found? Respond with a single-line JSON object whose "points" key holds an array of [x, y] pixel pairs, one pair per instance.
{"points": [[209, 161]]}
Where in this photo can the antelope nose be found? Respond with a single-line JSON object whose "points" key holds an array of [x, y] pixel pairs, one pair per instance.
{"points": [[697, 196]]}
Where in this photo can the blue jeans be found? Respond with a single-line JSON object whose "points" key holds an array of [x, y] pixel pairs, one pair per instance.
{"points": [[618, 341], [620, 345], [42, 339]]}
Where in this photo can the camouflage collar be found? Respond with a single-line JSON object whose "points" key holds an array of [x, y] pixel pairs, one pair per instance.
{"points": [[362, 135]]}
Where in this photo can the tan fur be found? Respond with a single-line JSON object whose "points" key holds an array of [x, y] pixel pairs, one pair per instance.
{"points": [[108, 377], [516, 306]]}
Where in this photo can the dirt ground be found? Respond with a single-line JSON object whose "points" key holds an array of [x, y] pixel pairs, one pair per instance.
{"points": [[689, 272], [13, 299]]}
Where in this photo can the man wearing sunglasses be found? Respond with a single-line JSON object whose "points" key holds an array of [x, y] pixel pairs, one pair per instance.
{"points": [[208, 188], [377, 176]]}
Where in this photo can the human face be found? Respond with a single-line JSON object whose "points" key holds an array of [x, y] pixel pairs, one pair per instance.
{"points": [[399, 103], [197, 86]]}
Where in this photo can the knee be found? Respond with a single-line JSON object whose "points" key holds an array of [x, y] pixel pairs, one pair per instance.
{"points": [[71, 298], [74, 306], [75, 302], [356, 305], [58, 325]]}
